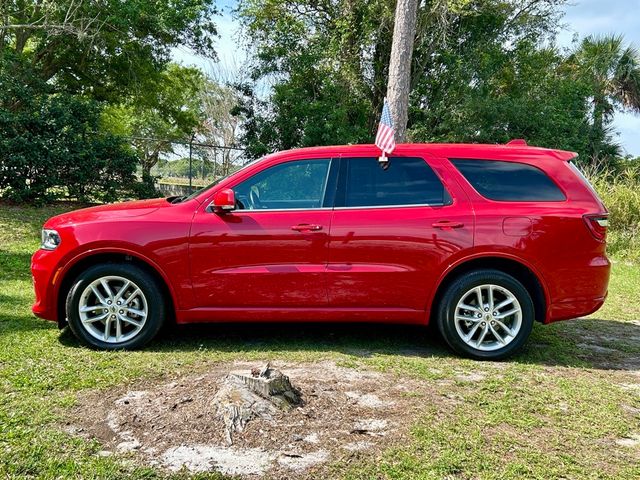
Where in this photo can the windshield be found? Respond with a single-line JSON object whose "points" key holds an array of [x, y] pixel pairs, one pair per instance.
{"points": [[202, 189], [216, 182]]}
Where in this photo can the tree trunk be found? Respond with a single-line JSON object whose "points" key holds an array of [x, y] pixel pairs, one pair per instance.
{"points": [[5, 21], [597, 130], [404, 32], [149, 160]]}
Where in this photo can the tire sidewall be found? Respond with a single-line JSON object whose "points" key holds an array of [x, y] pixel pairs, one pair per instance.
{"points": [[453, 294], [155, 304]]}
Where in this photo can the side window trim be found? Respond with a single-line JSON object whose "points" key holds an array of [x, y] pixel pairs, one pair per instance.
{"points": [[331, 184], [405, 205], [340, 199], [326, 188]]}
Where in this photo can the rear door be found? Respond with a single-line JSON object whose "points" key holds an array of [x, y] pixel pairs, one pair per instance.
{"points": [[394, 227]]}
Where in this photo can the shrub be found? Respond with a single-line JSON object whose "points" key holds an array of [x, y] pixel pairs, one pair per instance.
{"points": [[51, 144], [620, 192]]}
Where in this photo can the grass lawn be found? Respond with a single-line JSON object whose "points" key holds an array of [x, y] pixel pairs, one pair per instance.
{"points": [[567, 407]]}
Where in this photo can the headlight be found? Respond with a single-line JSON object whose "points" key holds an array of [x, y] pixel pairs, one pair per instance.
{"points": [[50, 239]]}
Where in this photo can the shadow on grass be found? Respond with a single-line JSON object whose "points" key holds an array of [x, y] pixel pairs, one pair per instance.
{"points": [[585, 343], [20, 323], [357, 339], [9, 300], [15, 266]]}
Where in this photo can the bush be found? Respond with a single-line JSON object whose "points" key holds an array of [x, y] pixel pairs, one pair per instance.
{"points": [[51, 144], [620, 192]]}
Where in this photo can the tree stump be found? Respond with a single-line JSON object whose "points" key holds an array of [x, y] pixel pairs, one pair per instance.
{"points": [[261, 393]]}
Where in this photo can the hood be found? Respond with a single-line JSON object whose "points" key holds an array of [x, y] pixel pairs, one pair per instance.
{"points": [[135, 208]]}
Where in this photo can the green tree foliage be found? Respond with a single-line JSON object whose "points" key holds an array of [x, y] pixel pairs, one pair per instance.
{"points": [[82, 55], [51, 144], [107, 48], [483, 71], [169, 110], [488, 87], [331, 54], [612, 71], [327, 62], [180, 167]]}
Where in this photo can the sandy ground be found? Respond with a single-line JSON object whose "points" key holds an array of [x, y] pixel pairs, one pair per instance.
{"points": [[345, 413], [174, 425]]}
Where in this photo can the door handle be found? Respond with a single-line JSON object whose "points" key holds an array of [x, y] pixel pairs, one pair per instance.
{"points": [[306, 227], [446, 224]]}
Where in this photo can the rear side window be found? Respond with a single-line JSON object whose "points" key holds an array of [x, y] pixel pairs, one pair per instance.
{"points": [[509, 181], [402, 181]]}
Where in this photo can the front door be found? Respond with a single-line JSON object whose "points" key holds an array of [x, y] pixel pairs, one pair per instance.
{"points": [[272, 250], [394, 227]]}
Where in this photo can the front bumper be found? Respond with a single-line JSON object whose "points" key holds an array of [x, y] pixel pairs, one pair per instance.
{"points": [[43, 272]]}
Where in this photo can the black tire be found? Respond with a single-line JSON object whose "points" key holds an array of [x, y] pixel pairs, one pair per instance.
{"points": [[458, 289], [148, 285]]}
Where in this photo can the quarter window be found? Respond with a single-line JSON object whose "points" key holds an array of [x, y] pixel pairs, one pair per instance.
{"points": [[402, 181], [509, 181], [584, 179], [298, 184]]}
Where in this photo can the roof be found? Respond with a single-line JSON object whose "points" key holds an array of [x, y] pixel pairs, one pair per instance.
{"points": [[513, 151]]}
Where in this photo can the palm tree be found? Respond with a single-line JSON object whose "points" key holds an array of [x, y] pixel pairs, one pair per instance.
{"points": [[612, 72]]}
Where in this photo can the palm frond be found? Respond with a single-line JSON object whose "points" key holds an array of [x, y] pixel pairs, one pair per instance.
{"points": [[626, 80], [599, 56]]}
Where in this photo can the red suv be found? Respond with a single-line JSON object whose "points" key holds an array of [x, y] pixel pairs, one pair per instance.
{"points": [[480, 239]]}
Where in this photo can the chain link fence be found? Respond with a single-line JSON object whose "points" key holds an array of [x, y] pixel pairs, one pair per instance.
{"points": [[183, 167]]}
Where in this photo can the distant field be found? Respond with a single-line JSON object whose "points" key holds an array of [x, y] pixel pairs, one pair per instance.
{"points": [[197, 182], [567, 407]]}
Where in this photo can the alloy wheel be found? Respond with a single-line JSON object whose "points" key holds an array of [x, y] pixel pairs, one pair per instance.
{"points": [[113, 309], [488, 317]]}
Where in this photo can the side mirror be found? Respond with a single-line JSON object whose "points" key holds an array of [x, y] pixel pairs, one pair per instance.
{"points": [[223, 201]]}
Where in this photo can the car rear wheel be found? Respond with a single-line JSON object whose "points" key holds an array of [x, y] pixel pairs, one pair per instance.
{"points": [[486, 314], [115, 306]]}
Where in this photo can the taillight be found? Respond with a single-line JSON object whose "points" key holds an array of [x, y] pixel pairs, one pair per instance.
{"points": [[597, 225]]}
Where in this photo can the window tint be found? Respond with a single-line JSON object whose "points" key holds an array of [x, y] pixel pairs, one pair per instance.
{"points": [[509, 181], [297, 184], [403, 181]]}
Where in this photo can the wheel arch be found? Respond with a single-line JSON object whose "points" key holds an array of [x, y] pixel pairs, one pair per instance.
{"points": [[84, 261], [511, 266]]}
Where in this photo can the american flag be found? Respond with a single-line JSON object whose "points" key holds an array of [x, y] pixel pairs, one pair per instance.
{"points": [[385, 138]]}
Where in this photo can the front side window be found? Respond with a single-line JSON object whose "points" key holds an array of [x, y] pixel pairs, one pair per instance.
{"points": [[509, 181], [401, 181], [291, 185]]}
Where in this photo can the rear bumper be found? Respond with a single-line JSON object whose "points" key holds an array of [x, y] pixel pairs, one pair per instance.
{"points": [[574, 309], [583, 292]]}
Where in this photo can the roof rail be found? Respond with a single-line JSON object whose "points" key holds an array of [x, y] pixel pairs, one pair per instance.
{"points": [[517, 142]]}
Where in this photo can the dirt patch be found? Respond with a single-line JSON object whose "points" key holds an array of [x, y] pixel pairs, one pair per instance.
{"points": [[631, 441], [471, 377], [607, 345], [596, 348], [204, 458], [175, 425]]}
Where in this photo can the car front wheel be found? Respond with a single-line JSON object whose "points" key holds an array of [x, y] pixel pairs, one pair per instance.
{"points": [[486, 314], [115, 306]]}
